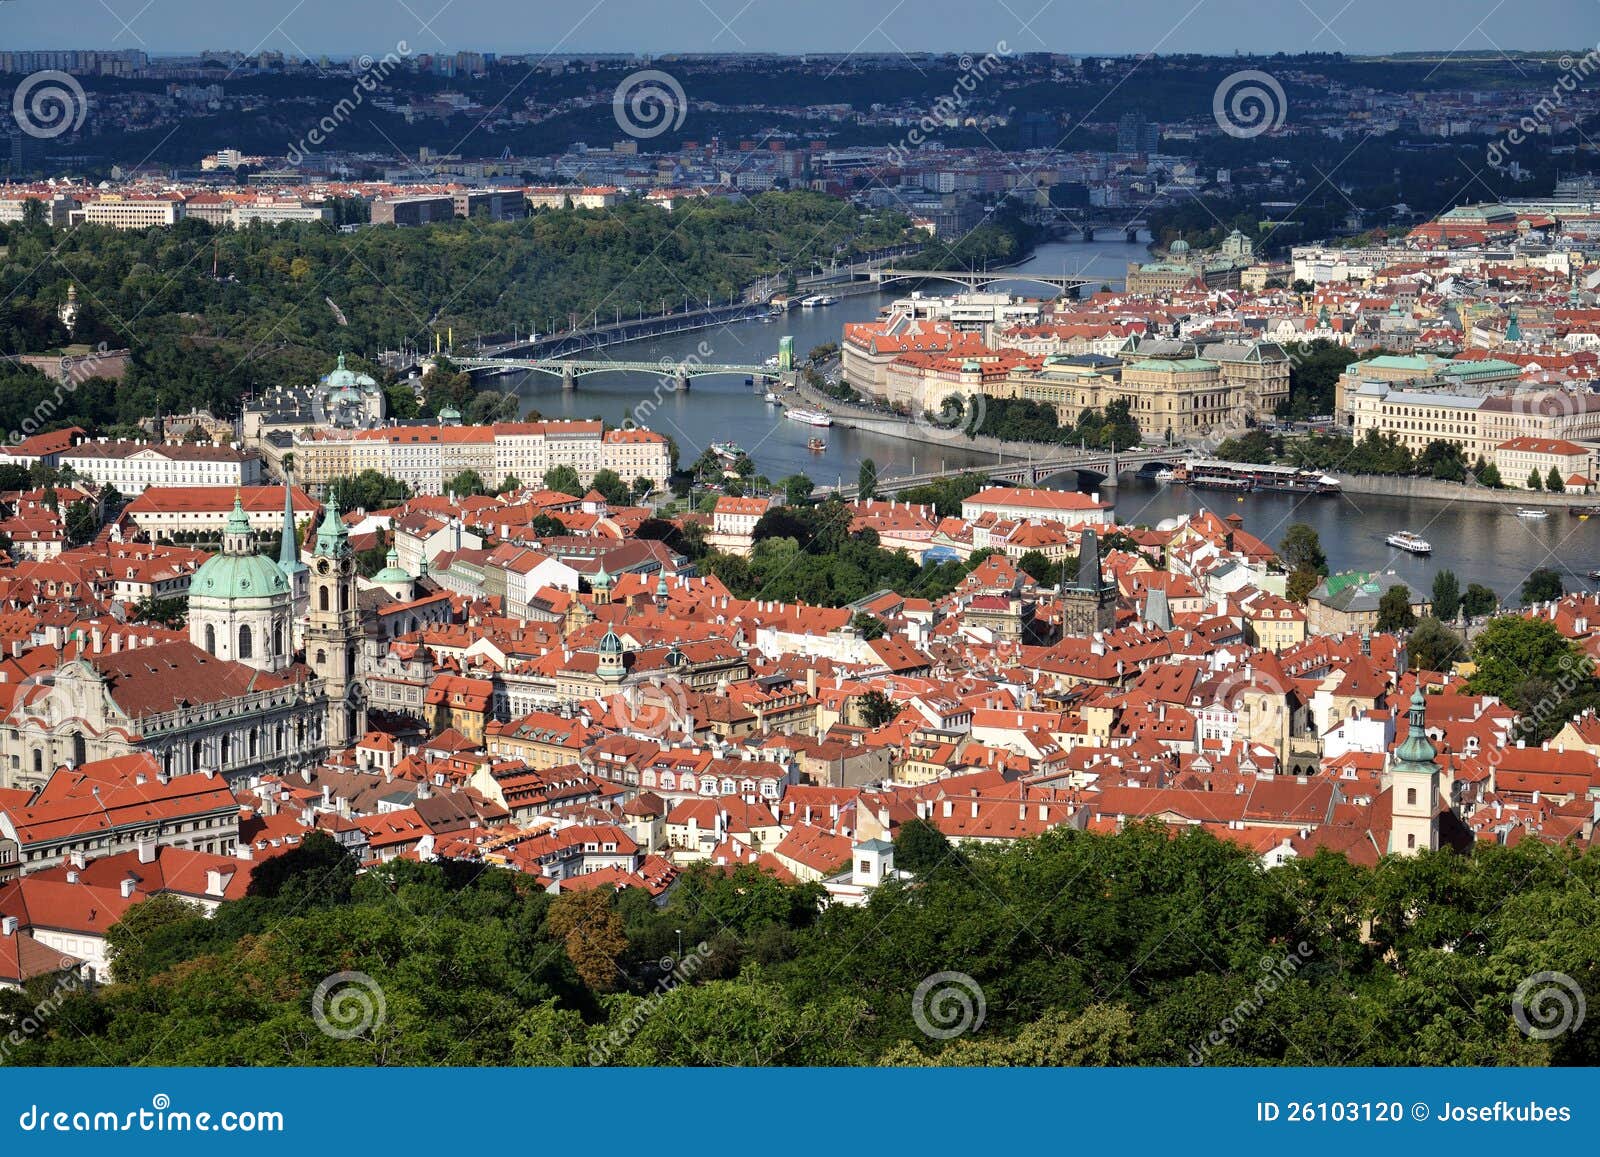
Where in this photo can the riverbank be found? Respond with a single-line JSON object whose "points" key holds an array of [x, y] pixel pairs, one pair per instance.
{"points": [[1400, 486]]}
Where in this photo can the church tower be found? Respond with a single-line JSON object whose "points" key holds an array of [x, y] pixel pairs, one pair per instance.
{"points": [[1414, 788], [1088, 602], [333, 630], [293, 569]]}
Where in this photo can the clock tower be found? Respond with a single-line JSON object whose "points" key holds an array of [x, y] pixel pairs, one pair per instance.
{"points": [[333, 630]]}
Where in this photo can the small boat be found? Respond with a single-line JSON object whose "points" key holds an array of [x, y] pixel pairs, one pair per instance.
{"points": [[1406, 540], [772, 362], [1532, 512], [732, 451], [773, 398], [1595, 574], [1165, 476], [811, 302], [1583, 511], [809, 417], [816, 445]]}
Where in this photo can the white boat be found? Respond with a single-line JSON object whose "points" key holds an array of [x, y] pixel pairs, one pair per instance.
{"points": [[772, 362], [1531, 512], [1406, 540], [773, 398], [809, 417], [1165, 476], [812, 302]]}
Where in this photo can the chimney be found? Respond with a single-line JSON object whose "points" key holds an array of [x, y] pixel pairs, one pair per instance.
{"points": [[147, 851], [76, 859], [72, 877], [128, 886], [8, 925]]}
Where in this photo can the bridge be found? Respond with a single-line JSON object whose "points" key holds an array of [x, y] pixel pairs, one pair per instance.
{"points": [[1104, 464], [976, 281], [569, 370], [1067, 222]]}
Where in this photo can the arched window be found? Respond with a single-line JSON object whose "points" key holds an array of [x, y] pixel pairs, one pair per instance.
{"points": [[194, 756], [322, 598], [227, 750], [211, 639], [246, 644], [255, 741], [322, 659], [38, 761], [277, 639]]}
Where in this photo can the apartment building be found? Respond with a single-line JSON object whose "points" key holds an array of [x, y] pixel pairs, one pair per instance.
{"points": [[133, 467], [132, 211]]}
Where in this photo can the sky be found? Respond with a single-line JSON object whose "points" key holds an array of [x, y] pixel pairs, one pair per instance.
{"points": [[317, 27]]}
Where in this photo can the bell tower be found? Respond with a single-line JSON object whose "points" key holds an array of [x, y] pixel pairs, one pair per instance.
{"points": [[1414, 787], [333, 630]]}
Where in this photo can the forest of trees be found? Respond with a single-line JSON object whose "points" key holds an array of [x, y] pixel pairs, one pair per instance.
{"points": [[1084, 949], [266, 316]]}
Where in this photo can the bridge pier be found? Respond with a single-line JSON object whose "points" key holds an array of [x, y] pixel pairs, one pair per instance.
{"points": [[1088, 233], [680, 382], [1133, 236], [569, 378]]}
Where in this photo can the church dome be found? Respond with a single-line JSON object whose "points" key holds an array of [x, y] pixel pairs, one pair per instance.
{"points": [[1179, 248], [611, 645], [226, 576], [391, 573]]}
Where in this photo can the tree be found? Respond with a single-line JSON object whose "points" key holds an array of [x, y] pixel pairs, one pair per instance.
{"points": [[466, 484], [1300, 585], [164, 612], [797, 489], [1479, 601], [1535, 482], [565, 480], [1513, 652], [867, 480], [1039, 568], [1446, 596], [641, 488], [877, 708], [1489, 476], [82, 523], [1301, 549], [1394, 610], [592, 932], [609, 483], [368, 490], [920, 847], [1433, 646], [1554, 483], [870, 626], [1443, 460], [1542, 586]]}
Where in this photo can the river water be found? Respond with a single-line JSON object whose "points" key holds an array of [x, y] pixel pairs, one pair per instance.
{"points": [[1481, 543]]}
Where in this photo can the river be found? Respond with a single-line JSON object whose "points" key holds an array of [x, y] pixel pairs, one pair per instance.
{"points": [[1481, 543]]}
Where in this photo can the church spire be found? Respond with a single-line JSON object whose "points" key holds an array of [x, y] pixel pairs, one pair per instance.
{"points": [[333, 540], [288, 551]]}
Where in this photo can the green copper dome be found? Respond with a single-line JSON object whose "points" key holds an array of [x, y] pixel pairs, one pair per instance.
{"points": [[391, 573], [227, 576], [1416, 753]]}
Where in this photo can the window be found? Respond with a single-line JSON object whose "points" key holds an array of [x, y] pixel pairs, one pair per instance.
{"points": [[246, 643], [322, 598], [1411, 840], [1411, 795]]}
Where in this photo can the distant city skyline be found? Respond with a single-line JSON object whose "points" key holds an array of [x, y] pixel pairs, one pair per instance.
{"points": [[655, 27]]}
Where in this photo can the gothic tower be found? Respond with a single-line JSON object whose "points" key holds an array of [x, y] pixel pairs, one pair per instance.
{"points": [[333, 630], [1088, 602], [1414, 788]]}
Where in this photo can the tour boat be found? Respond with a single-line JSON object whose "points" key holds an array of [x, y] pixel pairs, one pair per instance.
{"points": [[1165, 476], [1414, 543], [773, 397], [732, 451], [809, 417], [816, 445], [1531, 512]]}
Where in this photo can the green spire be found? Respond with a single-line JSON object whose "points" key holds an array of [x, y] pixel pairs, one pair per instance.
{"points": [[238, 520], [1417, 752], [1513, 330], [333, 541], [288, 553]]}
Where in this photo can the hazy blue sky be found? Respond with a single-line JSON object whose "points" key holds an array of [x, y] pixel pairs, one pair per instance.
{"points": [[1217, 26]]}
